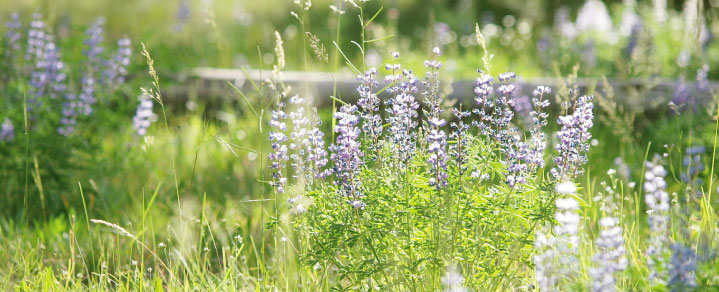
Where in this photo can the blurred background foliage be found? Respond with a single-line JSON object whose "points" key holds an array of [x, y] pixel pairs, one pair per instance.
{"points": [[533, 38]]}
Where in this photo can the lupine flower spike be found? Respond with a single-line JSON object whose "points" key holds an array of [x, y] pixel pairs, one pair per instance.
{"points": [[402, 110], [657, 200], [573, 139], [7, 131], [369, 104], [436, 138], [143, 115], [347, 155]]}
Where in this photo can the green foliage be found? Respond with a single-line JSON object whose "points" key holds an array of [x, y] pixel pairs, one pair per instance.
{"points": [[409, 233]]}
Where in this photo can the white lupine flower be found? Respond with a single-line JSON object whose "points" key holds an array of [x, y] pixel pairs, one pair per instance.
{"points": [[657, 201], [144, 115], [566, 188]]}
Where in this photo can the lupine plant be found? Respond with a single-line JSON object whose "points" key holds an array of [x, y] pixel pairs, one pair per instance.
{"points": [[398, 218], [58, 104]]}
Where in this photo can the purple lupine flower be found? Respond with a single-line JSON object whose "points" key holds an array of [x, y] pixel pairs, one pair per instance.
{"points": [[573, 137], [54, 70], [307, 141], [93, 41], [299, 120], [143, 115], [623, 169], [12, 35], [495, 111], [35, 38], [483, 97], [524, 157], [116, 68], [539, 116], [87, 95], [681, 97], [459, 134], [437, 143], [657, 200], [347, 155], [682, 268], [516, 160], [506, 76], [70, 111], [7, 131], [693, 166], [402, 109], [36, 45], [47, 78], [633, 40], [610, 258], [702, 78], [685, 97], [368, 103], [523, 106], [316, 152], [278, 140], [432, 98], [182, 16]]}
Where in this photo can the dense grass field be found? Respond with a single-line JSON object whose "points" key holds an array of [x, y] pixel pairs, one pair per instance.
{"points": [[602, 180]]}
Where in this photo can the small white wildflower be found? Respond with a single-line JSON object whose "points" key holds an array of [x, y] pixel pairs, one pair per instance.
{"points": [[631, 184], [611, 171]]}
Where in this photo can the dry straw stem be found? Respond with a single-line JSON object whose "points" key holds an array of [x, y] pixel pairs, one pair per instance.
{"points": [[482, 43], [153, 73], [124, 232]]}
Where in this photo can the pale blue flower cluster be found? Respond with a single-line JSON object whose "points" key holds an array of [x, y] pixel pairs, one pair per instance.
{"points": [[12, 35], [495, 110], [116, 68], [7, 131], [432, 97], [307, 142], [610, 259], [278, 138], [573, 137], [657, 200], [459, 135], [402, 109], [437, 148], [144, 116], [347, 155], [693, 167], [682, 268], [525, 157], [369, 103]]}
